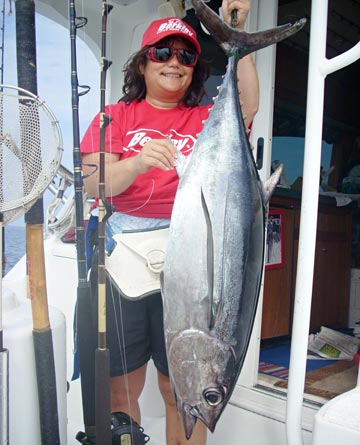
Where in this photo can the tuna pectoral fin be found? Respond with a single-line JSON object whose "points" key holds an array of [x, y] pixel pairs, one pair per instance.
{"points": [[188, 420], [239, 42], [209, 259], [270, 184]]}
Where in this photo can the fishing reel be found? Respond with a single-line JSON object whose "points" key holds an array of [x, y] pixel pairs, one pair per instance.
{"points": [[84, 439], [126, 431]]}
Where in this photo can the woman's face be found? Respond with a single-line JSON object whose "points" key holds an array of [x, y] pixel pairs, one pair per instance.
{"points": [[167, 82]]}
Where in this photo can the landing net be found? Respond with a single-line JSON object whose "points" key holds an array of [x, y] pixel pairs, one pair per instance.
{"points": [[30, 150]]}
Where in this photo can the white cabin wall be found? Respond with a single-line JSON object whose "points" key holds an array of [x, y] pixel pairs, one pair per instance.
{"points": [[58, 11], [125, 27], [265, 63]]}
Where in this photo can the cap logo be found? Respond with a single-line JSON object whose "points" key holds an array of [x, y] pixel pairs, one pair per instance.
{"points": [[174, 25]]}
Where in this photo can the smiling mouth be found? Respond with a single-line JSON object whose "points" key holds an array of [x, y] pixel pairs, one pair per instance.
{"points": [[174, 75]]}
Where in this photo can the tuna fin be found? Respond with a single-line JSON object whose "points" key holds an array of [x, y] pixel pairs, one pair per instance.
{"points": [[209, 259], [270, 184], [240, 43], [188, 420]]}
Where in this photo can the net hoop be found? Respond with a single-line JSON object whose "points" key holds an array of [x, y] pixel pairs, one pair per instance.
{"points": [[30, 150]]}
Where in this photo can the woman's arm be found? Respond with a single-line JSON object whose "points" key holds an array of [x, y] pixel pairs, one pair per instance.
{"points": [[248, 85], [248, 82], [118, 174], [121, 173]]}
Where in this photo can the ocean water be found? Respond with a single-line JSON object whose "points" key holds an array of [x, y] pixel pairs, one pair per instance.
{"points": [[14, 245]]}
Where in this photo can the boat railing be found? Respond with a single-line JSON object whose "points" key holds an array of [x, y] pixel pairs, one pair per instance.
{"points": [[319, 68], [60, 213]]}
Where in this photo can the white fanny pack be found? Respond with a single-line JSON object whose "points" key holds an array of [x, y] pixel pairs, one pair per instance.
{"points": [[136, 261]]}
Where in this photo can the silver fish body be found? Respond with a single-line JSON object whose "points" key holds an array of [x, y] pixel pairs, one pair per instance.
{"points": [[214, 260]]}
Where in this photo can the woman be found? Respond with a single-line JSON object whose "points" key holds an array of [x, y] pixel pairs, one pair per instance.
{"points": [[158, 115]]}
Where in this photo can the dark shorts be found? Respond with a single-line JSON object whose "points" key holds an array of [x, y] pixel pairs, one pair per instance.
{"points": [[135, 332]]}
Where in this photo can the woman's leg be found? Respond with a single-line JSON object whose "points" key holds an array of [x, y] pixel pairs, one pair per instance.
{"points": [[125, 392], [174, 431]]}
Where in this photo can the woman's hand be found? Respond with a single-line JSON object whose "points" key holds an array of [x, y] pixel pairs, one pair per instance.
{"points": [[248, 85], [121, 173], [242, 7], [156, 153]]}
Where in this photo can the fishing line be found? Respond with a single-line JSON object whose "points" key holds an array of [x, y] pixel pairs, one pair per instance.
{"points": [[119, 314], [119, 323], [121, 339], [121, 343], [146, 202], [102, 358], [122, 350]]}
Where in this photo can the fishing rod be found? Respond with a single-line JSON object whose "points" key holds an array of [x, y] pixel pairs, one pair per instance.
{"points": [[4, 353], [85, 332], [102, 354], [4, 361], [34, 219]]}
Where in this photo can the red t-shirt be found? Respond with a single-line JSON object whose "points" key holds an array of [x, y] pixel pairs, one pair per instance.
{"points": [[152, 194]]}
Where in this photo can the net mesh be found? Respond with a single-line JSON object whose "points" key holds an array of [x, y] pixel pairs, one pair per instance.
{"points": [[30, 150]]}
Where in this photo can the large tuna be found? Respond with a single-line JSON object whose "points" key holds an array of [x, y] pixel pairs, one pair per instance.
{"points": [[214, 260]]}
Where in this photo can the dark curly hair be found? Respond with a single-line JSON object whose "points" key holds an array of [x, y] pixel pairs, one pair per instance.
{"points": [[134, 84]]}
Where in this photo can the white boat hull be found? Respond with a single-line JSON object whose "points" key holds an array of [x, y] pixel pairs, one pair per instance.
{"points": [[246, 419], [24, 420]]}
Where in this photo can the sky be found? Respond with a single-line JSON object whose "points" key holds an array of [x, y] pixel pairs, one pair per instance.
{"points": [[54, 78], [54, 74]]}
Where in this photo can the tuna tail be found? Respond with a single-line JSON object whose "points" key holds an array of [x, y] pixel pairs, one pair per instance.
{"points": [[240, 43]]}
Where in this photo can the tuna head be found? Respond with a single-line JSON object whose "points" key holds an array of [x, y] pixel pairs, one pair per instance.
{"points": [[203, 376]]}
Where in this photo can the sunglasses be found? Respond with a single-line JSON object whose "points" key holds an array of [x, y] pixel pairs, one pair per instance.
{"points": [[186, 57]]}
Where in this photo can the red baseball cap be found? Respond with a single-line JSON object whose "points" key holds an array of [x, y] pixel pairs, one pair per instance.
{"points": [[170, 26]]}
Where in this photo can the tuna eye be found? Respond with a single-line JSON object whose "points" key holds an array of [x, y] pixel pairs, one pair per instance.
{"points": [[214, 396]]}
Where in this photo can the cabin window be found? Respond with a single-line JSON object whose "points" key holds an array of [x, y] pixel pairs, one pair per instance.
{"points": [[290, 152]]}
